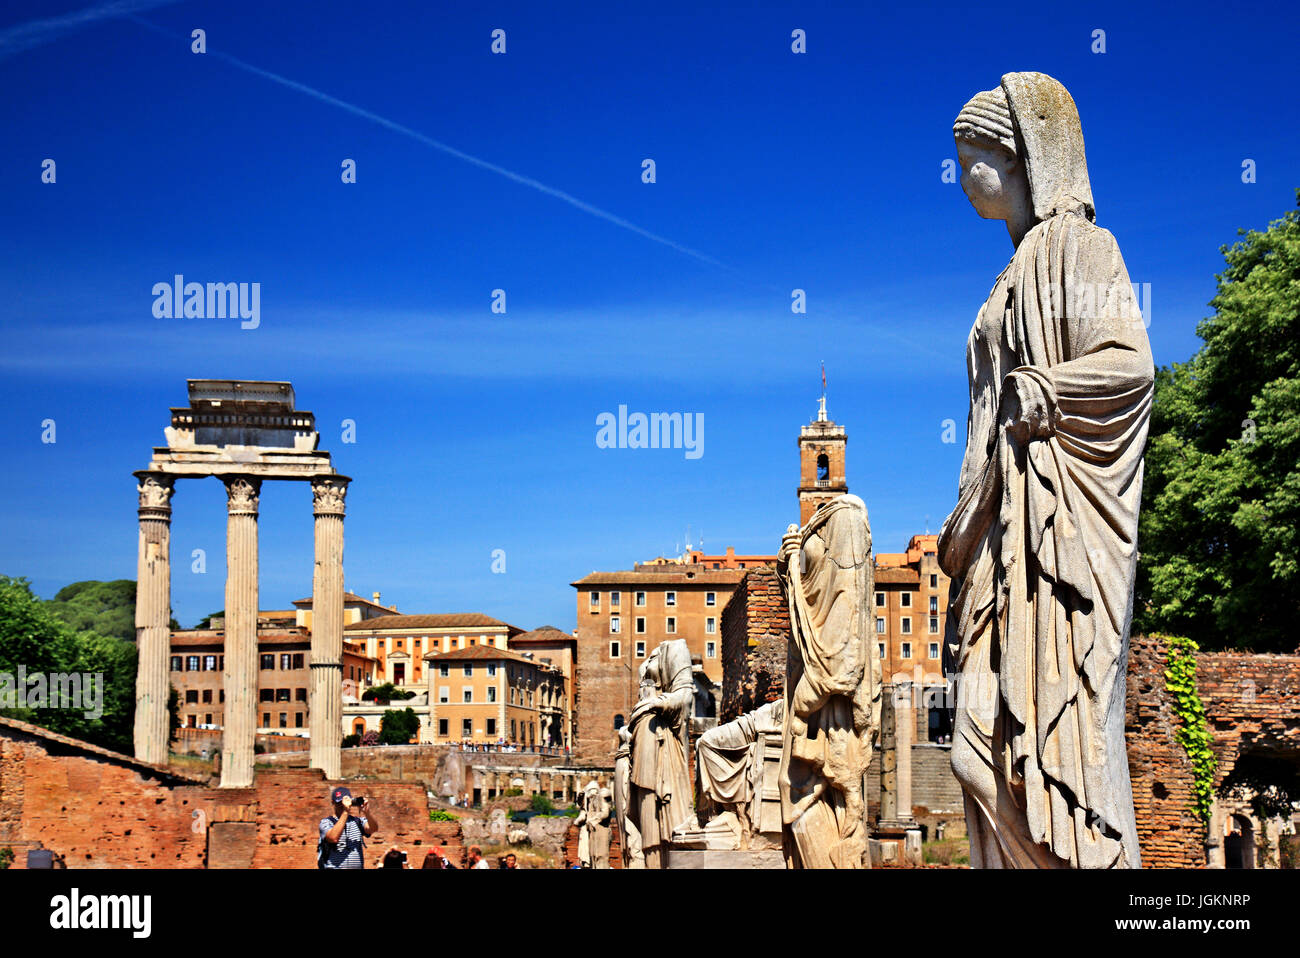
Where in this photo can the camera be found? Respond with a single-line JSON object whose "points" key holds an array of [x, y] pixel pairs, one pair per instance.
{"points": [[359, 801]]}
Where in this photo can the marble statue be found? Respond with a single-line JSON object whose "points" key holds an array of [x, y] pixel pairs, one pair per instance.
{"points": [[832, 686], [628, 834], [593, 823], [729, 762], [660, 797], [1042, 544]]}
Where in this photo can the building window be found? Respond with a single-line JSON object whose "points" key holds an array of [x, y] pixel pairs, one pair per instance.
{"points": [[221, 662], [492, 726], [882, 649], [266, 720], [282, 695], [710, 598], [444, 694], [207, 698], [191, 696], [492, 670], [284, 720], [670, 625], [615, 599], [880, 626], [467, 728], [934, 605], [619, 722], [594, 601], [880, 600], [907, 650], [266, 695], [710, 625], [267, 660], [207, 719], [298, 660], [297, 720], [613, 650], [640, 624], [905, 625], [640, 650], [442, 727], [823, 468], [444, 670], [209, 663], [905, 600], [300, 695], [221, 696], [468, 669], [467, 695], [286, 661], [934, 625], [710, 650], [176, 663], [670, 598], [613, 624], [492, 693], [934, 650], [640, 598], [934, 581], [192, 663]]}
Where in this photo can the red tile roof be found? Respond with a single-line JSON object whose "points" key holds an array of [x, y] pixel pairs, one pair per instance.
{"points": [[685, 577], [454, 620], [547, 633], [484, 653]]}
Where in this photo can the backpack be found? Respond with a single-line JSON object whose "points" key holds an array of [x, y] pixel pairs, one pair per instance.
{"points": [[322, 848]]}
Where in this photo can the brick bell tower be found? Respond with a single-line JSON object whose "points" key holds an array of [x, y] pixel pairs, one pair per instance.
{"points": [[821, 460]]}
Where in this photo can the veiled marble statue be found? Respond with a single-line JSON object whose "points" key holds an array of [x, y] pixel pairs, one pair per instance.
{"points": [[1042, 544], [660, 782], [730, 764], [832, 686], [593, 820]]}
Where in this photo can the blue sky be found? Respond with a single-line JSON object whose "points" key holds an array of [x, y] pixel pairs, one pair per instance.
{"points": [[476, 431]]}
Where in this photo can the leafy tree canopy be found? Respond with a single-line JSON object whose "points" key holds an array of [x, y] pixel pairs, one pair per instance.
{"points": [[1220, 560]]}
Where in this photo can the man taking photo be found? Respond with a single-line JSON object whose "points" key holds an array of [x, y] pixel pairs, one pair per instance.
{"points": [[343, 834]]}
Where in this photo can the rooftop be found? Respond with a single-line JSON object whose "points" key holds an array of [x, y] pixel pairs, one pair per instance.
{"points": [[684, 575], [453, 620], [483, 653], [547, 633]]}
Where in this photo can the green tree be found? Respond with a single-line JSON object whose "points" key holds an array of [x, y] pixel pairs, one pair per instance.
{"points": [[1220, 559], [385, 693], [398, 727], [37, 640]]}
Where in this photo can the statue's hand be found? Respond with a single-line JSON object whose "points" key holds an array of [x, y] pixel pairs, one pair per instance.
{"points": [[1026, 412], [789, 544]]}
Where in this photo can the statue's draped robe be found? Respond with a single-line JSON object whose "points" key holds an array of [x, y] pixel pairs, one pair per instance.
{"points": [[728, 761], [832, 707], [1042, 549], [660, 779], [629, 836]]}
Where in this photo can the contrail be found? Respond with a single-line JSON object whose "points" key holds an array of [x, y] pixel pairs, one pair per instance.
{"points": [[452, 151], [36, 32]]}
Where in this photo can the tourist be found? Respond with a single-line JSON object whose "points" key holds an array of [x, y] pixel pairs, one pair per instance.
{"points": [[510, 861], [343, 834], [395, 858], [476, 859], [436, 859]]}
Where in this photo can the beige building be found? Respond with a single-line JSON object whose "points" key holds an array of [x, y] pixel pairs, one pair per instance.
{"points": [[484, 695], [401, 643], [551, 646]]}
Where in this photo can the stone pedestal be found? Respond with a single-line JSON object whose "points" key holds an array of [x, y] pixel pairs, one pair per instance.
{"points": [[153, 617], [326, 696], [707, 858], [240, 673]]}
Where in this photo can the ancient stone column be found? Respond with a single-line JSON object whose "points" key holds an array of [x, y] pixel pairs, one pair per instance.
{"points": [[153, 616], [326, 704], [240, 673], [888, 758], [904, 735]]}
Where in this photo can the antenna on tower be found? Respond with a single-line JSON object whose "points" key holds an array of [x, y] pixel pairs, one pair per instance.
{"points": [[821, 407]]}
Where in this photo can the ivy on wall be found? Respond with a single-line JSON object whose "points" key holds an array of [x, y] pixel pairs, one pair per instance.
{"points": [[1193, 734]]}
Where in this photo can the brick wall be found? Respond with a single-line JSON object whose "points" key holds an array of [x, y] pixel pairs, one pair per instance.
{"points": [[99, 809], [1252, 704], [755, 630], [1169, 835]]}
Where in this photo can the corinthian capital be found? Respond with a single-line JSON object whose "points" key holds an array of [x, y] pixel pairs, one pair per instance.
{"points": [[242, 495], [156, 490], [328, 494]]}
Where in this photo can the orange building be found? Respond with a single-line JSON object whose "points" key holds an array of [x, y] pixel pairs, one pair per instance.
{"points": [[486, 695], [551, 646], [911, 611], [400, 643]]}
